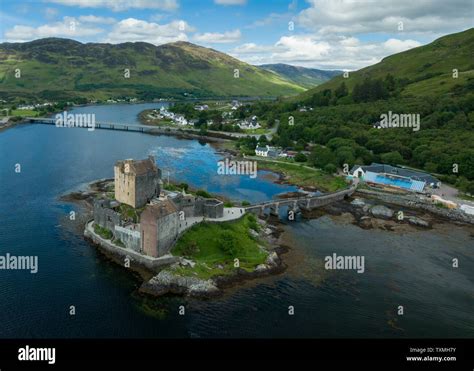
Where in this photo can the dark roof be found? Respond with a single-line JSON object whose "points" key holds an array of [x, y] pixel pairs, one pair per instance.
{"points": [[161, 209], [139, 167], [388, 169]]}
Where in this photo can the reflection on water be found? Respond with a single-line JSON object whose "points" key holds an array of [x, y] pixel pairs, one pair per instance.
{"points": [[410, 269]]}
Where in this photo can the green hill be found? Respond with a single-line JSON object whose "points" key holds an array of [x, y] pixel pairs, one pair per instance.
{"points": [[307, 77], [56, 68], [425, 70], [339, 119]]}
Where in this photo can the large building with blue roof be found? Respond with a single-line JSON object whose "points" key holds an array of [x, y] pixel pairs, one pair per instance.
{"points": [[397, 177]]}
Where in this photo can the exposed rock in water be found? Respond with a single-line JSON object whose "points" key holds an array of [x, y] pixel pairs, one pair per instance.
{"points": [[380, 211], [365, 222], [166, 282], [273, 260], [358, 202], [418, 222]]}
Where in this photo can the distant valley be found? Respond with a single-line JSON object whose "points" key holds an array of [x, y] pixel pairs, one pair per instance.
{"points": [[306, 77]]}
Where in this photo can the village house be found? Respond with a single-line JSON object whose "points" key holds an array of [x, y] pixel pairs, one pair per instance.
{"points": [[201, 107], [235, 105], [267, 151]]}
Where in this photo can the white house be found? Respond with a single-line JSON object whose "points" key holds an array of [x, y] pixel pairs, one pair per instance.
{"points": [[267, 151], [246, 125], [357, 172], [180, 119]]}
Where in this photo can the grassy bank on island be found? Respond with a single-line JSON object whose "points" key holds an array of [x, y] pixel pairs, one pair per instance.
{"points": [[214, 247]]}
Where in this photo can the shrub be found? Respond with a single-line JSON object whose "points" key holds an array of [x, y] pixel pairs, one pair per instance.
{"points": [[300, 157], [330, 168], [228, 243], [203, 193]]}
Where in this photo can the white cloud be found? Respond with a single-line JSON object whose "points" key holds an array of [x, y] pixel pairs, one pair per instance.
{"points": [[69, 27], [120, 5], [133, 30], [307, 50], [340, 34], [96, 19], [396, 46], [354, 17], [218, 38], [230, 2]]}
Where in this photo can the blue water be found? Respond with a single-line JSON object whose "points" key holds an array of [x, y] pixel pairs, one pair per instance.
{"points": [[411, 269], [402, 183]]}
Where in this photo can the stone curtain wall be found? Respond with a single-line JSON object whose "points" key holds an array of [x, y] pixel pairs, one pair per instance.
{"points": [[130, 238], [106, 217]]}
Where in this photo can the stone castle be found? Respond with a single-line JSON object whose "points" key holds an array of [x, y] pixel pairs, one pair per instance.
{"points": [[163, 215]]}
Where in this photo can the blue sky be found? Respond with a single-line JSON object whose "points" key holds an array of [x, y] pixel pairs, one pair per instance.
{"points": [[328, 34]]}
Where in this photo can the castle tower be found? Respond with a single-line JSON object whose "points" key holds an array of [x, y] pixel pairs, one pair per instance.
{"points": [[136, 181]]}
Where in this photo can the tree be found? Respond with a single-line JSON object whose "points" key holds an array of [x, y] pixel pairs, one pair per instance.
{"points": [[262, 140], [330, 168], [389, 82], [321, 156], [392, 158], [341, 90], [300, 157]]}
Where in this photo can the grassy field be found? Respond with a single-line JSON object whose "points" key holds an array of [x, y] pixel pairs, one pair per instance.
{"points": [[305, 176], [214, 246], [20, 113]]}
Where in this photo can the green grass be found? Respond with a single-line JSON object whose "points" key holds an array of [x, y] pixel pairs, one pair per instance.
{"points": [[304, 176], [129, 212], [464, 196], [203, 244], [65, 69], [102, 232], [23, 113]]}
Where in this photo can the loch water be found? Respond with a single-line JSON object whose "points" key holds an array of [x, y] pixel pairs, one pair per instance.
{"points": [[412, 269]]}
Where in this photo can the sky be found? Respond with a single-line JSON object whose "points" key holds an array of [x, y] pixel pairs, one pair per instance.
{"points": [[325, 34]]}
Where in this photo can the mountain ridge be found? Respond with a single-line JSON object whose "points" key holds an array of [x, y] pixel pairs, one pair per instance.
{"points": [[52, 67], [426, 70]]}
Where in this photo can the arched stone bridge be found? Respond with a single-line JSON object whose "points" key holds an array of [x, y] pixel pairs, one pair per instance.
{"points": [[306, 203]]}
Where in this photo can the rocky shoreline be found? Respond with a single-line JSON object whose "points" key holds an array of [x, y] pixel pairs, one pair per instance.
{"points": [[166, 282], [368, 210], [374, 213]]}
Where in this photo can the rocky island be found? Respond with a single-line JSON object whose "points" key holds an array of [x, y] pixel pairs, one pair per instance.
{"points": [[190, 243]]}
